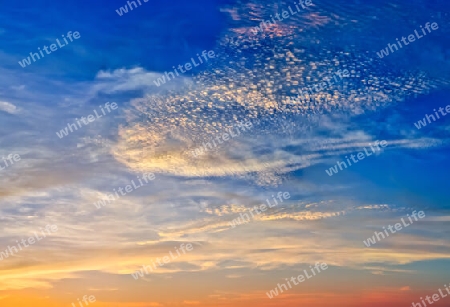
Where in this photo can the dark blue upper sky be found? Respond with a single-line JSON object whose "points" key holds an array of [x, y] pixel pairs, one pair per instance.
{"points": [[154, 36]]}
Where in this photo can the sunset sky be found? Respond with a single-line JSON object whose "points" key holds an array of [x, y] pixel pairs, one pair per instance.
{"points": [[136, 145]]}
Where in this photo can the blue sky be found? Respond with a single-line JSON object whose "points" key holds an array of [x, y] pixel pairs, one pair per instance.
{"points": [[152, 36]]}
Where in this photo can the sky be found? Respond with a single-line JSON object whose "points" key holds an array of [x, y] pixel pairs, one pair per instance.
{"points": [[148, 172]]}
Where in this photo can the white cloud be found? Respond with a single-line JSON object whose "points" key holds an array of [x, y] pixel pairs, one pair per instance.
{"points": [[8, 107]]}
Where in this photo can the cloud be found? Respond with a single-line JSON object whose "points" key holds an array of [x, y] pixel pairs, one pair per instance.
{"points": [[406, 288], [8, 107], [123, 79]]}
